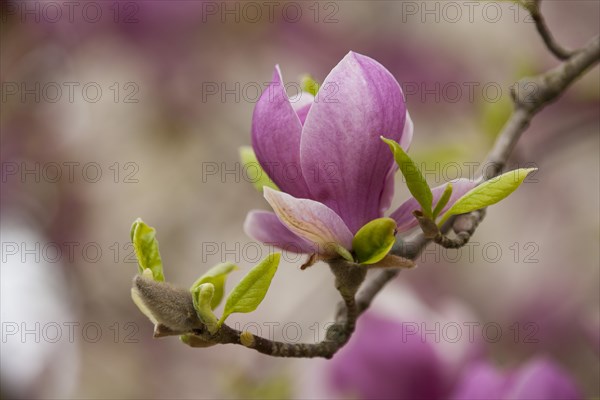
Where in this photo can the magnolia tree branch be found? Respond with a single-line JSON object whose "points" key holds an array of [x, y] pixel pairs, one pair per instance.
{"points": [[540, 23], [530, 96]]}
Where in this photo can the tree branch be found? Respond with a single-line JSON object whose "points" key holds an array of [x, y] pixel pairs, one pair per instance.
{"points": [[530, 96], [546, 88], [533, 94], [540, 23]]}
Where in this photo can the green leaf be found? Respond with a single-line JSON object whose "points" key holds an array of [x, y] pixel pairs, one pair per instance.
{"points": [[344, 253], [415, 181], [442, 201], [251, 290], [217, 276], [202, 296], [374, 240], [145, 245], [309, 85], [196, 341], [488, 193], [253, 170]]}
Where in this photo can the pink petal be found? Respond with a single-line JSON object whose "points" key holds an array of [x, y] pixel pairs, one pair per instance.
{"points": [[407, 133], [302, 105], [276, 131], [310, 220], [265, 227], [344, 162], [388, 190]]}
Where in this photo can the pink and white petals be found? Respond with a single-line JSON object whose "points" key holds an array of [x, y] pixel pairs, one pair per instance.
{"points": [[358, 101], [387, 195], [312, 221], [302, 105], [276, 132], [403, 214], [388, 189], [407, 133], [266, 227]]}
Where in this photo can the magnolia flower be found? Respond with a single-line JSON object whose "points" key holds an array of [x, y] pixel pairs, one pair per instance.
{"points": [[385, 361], [539, 378], [381, 361], [326, 156]]}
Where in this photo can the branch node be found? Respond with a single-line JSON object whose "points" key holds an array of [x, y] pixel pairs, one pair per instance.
{"points": [[247, 339], [428, 226]]}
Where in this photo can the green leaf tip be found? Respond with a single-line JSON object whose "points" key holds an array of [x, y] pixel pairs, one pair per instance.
{"points": [[202, 296], [217, 276], [416, 183], [251, 290], [253, 170], [442, 201], [134, 225], [488, 193], [146, 250], [309, 85], [374, 240], [344, 253]]}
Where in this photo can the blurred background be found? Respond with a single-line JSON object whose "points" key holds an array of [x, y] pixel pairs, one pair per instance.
{"points": [[113, 110]]}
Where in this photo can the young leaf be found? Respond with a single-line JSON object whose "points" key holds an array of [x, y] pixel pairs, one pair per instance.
{"points": [[202, 296], [251, 290], [374, 240], [145, 245], [442, 201], [195, 341], [309, 85], [343, 252], [256, 174], [416, 183], [217, 276], [488, 193]]}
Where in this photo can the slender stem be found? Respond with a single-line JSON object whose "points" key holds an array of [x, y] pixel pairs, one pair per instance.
{"points": [[533, 94], [540, 24], [323, 349]]}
